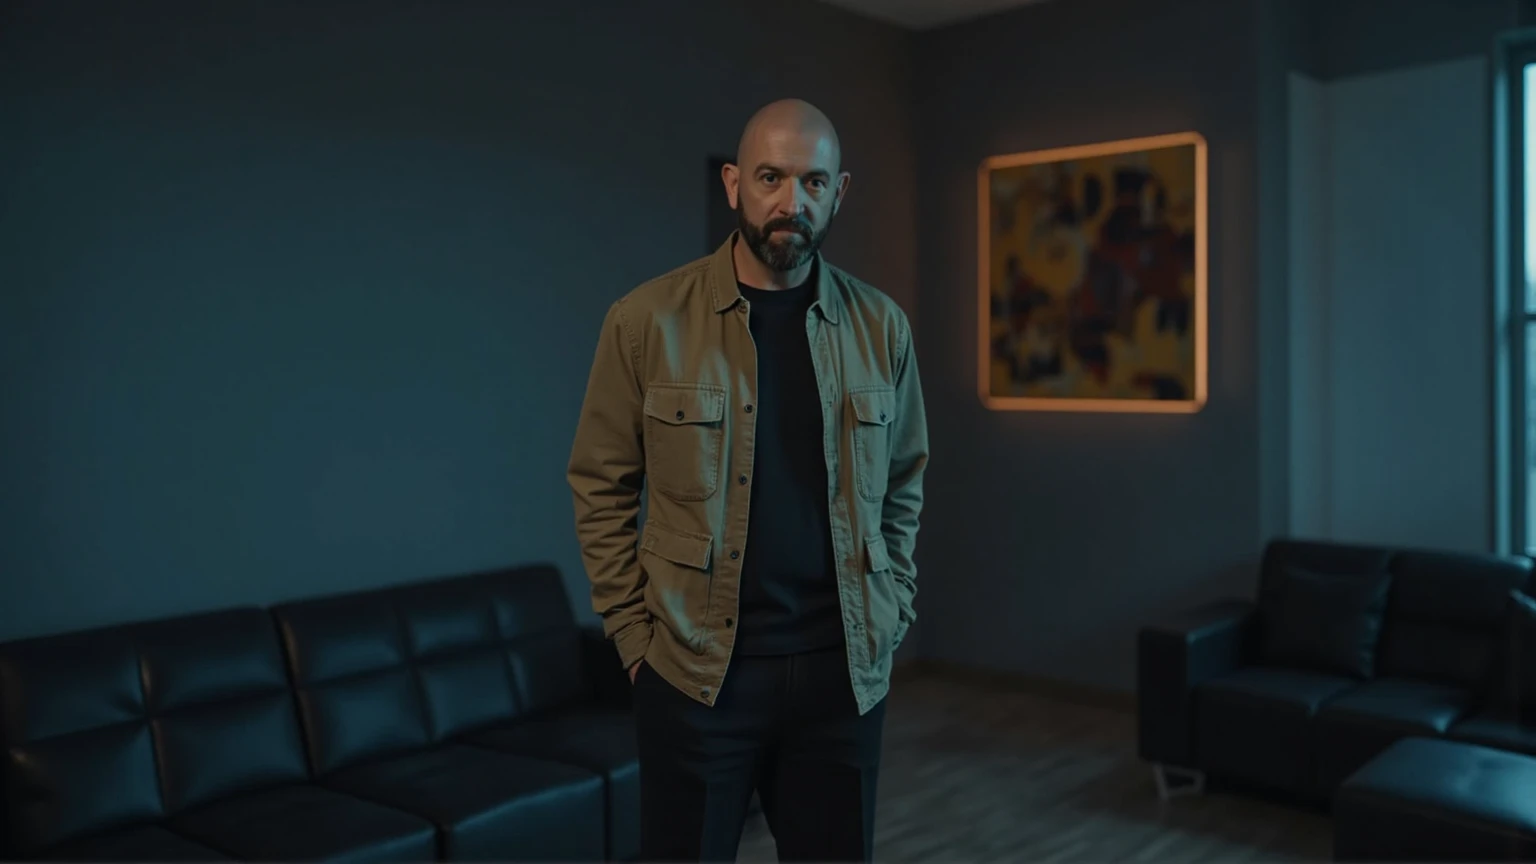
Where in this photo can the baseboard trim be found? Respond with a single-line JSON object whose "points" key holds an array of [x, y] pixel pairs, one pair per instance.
{"points": [[1065, 691]]}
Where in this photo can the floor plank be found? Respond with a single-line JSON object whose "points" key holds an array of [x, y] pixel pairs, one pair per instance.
{"points": [[979, 773]]}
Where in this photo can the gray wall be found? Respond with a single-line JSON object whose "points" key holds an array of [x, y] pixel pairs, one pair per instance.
{"points": [[300, 297], [1360, 37], [1050, 536], [1057, 535], [1308, 239], [1392, 321]]}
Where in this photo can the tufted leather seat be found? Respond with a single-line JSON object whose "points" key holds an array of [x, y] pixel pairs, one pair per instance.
{"points": [[600, 741], [174, 739], [1211, 701], [1437, 658], [395, 686], [468, 717], [1256, 723]]}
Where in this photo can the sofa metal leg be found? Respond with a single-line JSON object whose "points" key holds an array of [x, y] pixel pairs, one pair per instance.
{"points": [[1176, 782]]}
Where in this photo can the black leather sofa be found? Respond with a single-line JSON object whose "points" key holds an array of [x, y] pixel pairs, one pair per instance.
{"points": [[1344, 651], [467, 718]]}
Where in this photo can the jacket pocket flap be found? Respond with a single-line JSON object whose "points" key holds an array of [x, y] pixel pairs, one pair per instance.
{"points": [[679, 547], [876, 405], [685, 403], [879, 556]]}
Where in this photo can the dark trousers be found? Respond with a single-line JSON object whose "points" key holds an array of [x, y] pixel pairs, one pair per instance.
{"points": [[786, 727]]}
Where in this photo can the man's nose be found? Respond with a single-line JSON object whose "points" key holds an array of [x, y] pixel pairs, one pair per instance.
{"points": [[796, 202]]}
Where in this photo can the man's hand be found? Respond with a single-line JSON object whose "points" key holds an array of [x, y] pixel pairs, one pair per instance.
{"points": [[634, 670]]}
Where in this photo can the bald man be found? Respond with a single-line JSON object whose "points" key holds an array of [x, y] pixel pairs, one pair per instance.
{"points": [[767, 404]]}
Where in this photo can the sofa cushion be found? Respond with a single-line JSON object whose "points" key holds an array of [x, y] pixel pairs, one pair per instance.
{"points": [[1445, 617], [140, 843], [304, 822], [105, 729], [1401, 705], [1293, 691], [358, 696], [1498, 728], [1255, 724], [389, 672], [1358, 725], [489, 805], [1323, 622], [73, 715], [602, 742], [223, 713]]}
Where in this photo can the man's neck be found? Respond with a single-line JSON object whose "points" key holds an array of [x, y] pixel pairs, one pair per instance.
{"points": [[753, 273]]}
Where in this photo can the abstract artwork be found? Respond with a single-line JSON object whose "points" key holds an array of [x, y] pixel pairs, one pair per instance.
{"points": [[1092, 289]]}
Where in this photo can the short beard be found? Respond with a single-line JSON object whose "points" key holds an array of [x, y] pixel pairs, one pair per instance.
{"points": [[782, 256]]}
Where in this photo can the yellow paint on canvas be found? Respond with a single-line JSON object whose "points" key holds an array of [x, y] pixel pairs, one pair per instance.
{"points": [[1053, 257]]}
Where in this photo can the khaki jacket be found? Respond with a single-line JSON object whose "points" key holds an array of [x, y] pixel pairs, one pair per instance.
{"points": [[668, 410]]}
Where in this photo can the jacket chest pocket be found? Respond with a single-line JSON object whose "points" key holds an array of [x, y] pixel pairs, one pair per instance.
{"points": [[684, 433], [873, 410]]}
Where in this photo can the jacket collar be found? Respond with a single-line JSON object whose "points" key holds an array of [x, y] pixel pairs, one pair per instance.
{"points": [[722, 282]]}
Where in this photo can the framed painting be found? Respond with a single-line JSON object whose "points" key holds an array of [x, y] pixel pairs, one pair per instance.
{"points": [[1092, 277]]}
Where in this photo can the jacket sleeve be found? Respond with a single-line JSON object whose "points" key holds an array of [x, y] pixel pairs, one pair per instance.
{"points": [[909, 458], [606, 474]]}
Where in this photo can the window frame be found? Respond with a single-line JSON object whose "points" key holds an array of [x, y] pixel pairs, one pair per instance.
{"points": [[1512, 481]]}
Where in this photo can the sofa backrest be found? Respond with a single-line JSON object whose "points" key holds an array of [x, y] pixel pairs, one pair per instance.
{"points": [[115, 726], [1446, 616], [1321, 605], [397, 669]]}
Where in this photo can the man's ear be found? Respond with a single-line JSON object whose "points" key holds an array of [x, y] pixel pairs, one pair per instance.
{"points": [[730, 175], [842, 189]]}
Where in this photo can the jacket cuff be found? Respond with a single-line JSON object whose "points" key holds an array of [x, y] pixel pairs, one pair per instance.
{"points": [[632, 642]]}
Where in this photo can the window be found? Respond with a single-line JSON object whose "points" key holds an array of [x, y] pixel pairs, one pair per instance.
{"points": [[1524, 270], [1514, 193]]}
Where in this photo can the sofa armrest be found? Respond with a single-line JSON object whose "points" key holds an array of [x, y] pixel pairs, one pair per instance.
{"points": [[1174, 657], [603, 669]]}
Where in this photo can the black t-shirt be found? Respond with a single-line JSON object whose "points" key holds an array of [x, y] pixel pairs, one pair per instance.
{"points": [[789, 601]]}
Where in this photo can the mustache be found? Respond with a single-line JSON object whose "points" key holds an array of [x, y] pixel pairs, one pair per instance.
{"points": [[791, 224]]}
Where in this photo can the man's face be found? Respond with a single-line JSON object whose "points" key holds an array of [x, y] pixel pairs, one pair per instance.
{"points": [[786, 194]]}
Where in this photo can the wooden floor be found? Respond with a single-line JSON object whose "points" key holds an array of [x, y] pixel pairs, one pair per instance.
{"points": [[978, 773]]}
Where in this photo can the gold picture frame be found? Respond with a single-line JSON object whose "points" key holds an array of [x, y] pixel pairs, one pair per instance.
{"points": [[1093, 277]]}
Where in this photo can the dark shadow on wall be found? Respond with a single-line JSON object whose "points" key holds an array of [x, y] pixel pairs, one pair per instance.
{"points": [[721, 219]]}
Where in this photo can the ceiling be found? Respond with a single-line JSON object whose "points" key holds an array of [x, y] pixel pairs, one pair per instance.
{"points": [[923, 14]]}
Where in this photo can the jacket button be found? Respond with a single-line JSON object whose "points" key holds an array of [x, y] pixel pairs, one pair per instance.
{"points": [[735, 554], [742, 479], [729, 623], [680, 416], [749, 409], [704, 692]]}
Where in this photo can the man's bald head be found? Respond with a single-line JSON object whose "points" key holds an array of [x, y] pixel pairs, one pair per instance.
{"points": [[787, 182], [793, 118]]}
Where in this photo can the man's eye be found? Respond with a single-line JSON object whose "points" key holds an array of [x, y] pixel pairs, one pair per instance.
{"points": [[770, 178], [818, 185]]}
